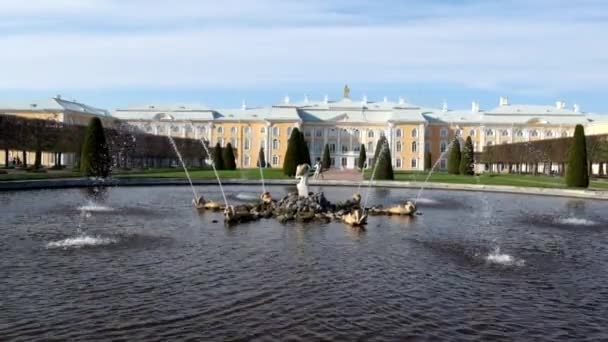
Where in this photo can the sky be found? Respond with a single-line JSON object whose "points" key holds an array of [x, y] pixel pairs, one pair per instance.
{"points": [[119, 53]]}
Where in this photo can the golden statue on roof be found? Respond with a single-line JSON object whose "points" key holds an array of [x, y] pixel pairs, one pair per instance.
{"points": [[346, 92]]}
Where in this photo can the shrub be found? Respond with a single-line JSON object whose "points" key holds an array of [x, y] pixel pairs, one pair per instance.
{"points": [[228, 157], [467, 160], [303, 151], [293, 153], [261, 158], [218, 158], [362, 157], [454, 158], [384, 167], [95, 160], [326, 160], [577, 175]]}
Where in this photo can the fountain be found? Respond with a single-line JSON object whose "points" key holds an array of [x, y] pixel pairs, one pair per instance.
{"points": [[199, 201], [179, 155], [428, 176]]}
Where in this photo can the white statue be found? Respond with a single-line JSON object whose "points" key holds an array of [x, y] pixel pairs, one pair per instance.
{"points": [[302, 175]]}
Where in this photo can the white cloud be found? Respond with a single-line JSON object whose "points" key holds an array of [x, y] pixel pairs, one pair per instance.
{"points": [[265, 43]]}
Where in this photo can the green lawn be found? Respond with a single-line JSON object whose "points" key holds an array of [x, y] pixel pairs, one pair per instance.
{"points": [[207, 174], [540, 181]]}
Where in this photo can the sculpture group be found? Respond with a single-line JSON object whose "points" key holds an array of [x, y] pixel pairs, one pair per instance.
{"points": [[304, 206]]}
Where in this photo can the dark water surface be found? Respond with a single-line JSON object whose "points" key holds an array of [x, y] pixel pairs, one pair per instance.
{"points": [[146, 266]]}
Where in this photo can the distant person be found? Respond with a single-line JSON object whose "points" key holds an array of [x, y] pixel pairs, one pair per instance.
{"points": [[318, 169]]}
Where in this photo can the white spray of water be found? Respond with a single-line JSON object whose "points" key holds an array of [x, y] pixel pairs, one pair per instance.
{"points": [[95, 207], [428, 176], [181, 160], [217, 176], [371, 179], [81, 241], [575, 221], [497, 257]]}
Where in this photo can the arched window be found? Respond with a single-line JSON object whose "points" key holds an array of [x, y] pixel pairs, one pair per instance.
{"points": [[519, 133], [246, 160], [356, 133], [472, 132], [398, 133], [263, 130], [246, 144], [275, 131], [414, 163], [247, 130], [564, 134], [275, 160], [504, 133], [233, 130], [370, 134], [414, 146], [414, 133], [398, 163], [444, 132], [220, 130], [275, 144], [442, 147], [534, 133], [489, 132], [398, 146], [549, 134]]}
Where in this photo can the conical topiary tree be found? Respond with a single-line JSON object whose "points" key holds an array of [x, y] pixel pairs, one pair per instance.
{"points": [[577, 175], [228, 157], [427, 161], [454, 158], [218, 158], [384, 167], [467, 160], [261, 158], [304, 152], [293, 153], [95, 160], [326, 160], [362, 157]]}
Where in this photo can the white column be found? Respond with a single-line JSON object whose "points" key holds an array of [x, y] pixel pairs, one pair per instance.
{"points": [[421, 139], [482, 138]]}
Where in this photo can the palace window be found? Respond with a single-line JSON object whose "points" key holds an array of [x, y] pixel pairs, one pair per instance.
{"points": [[504, 133], [472, 132], [489, 132], [319, 132], [332, 161], [275, 160], [201, 130], [263, 130], [220, 130], [246, 144], [357, 148], [398, 133], [443, 133], [458, 133], [398, 146], [549, 134], [344, 148], [332, 148], [289, 129], [174, 128], [489, 143], [519, 133], [275, 131], [414, 146], [246, 161], [370, 134], [247, 130], [398, 163], [275, 144], [414, 163], [534, 133], [356, 133], [307, 133], [443, 164], [564, 134], [442, 147], [233, 130], [233, 142], [414, 133], [370, 147]]}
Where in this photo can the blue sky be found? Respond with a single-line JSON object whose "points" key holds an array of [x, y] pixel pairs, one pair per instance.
{"points": [[115, 53]]}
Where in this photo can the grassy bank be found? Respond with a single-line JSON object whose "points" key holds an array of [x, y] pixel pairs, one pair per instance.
{"points": [[539, 181]]}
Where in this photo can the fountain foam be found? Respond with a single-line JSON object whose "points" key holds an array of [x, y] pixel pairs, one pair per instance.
{"points": [[575, 221], [496, 257], [92, 206], [80, 242]]}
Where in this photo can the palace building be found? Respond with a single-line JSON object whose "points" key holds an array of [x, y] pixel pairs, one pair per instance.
{"points": [[346, 124]]}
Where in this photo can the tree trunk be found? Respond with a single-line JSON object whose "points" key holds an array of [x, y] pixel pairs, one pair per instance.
{"points": [[38, 159], [59, 156], [6, 157], [24, 161]]}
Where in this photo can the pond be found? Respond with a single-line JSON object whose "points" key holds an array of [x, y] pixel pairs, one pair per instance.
{"points": [[143, 264]]}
